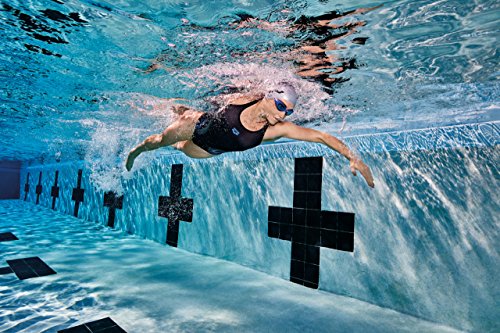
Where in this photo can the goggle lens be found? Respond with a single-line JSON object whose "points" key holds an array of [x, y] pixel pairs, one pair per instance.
{"points": [[282, 107]]}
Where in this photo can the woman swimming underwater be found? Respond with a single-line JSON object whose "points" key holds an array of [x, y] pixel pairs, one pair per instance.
{"points": [[242, 125]]}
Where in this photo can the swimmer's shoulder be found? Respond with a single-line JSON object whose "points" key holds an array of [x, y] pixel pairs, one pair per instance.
{"points": [[244, 99]]}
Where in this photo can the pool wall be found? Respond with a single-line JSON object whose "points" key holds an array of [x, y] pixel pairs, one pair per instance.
{"points": [[9, 179], [425, 239]]}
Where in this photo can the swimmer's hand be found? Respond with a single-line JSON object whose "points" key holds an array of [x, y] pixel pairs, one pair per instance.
{"points": [[130, 160], [357, 164]]}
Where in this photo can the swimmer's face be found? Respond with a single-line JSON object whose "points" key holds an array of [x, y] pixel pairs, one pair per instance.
{"points": [[278, 109]]}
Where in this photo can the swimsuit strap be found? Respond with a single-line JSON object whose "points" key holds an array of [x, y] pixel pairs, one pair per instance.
{"points": [[246, 105]]}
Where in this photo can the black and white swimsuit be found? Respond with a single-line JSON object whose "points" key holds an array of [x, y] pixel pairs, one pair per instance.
{"points": [[222, 131]]}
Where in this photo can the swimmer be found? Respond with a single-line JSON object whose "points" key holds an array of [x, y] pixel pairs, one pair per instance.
{"points": [[242, 125]]}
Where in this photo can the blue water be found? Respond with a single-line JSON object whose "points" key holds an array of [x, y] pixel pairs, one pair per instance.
{"points": [[416, 94], [162, 289], [72, 70], [425, 237]]}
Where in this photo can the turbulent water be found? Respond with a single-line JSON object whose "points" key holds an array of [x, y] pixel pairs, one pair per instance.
{"points": [[81, 78]]}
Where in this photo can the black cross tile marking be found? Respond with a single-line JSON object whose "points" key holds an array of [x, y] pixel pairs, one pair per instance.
{"points": [[29, 268], [27, 187], [112, 201], [105, 325], [77, 195], [307, 226], [174, 207], [39, 188], [7, 236], [54, 192]]}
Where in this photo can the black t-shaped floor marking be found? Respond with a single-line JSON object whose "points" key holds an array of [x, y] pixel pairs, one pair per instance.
{"points": [[54, 193], [27, 187], [113, 202], [39, 188], [307, 226], [77, 195], [174, 207]]}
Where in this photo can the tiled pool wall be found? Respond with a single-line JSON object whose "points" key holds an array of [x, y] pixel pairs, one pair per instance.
{"points": [[425, 240]]}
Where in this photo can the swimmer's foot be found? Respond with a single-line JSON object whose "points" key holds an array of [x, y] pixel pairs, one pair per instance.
{"points": [[179, 109], [153, 67]]}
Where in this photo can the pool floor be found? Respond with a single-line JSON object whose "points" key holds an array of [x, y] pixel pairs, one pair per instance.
{"points": [[149, 287]]}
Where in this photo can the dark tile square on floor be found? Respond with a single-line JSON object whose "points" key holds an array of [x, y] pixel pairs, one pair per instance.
{"points": [[7, 236]]}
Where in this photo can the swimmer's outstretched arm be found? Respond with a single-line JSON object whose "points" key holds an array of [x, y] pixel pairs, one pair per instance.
{"points": [[289, 130], [152, 142], [180, 130]]}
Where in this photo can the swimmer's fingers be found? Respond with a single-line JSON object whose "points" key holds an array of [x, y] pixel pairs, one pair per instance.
{"points": [[367, 174], [130, 160], [129, 163], [365, 171], [368, 177]]}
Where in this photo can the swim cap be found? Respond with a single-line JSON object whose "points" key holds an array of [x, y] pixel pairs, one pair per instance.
{"points": [[284, 91]]}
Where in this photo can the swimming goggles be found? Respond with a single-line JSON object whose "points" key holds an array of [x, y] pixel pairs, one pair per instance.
{"points": [[282, 107]]}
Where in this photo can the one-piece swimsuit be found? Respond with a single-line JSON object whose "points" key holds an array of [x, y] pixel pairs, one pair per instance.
{"points": [[222, 131]]}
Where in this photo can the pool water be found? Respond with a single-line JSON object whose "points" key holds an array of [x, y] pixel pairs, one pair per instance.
{"points": [[411, 86], [423, 64], [423, 239], [147, 287]]}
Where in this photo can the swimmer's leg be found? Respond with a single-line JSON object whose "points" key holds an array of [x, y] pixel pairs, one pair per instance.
{"points": [[191, 149], [181, 130]]}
